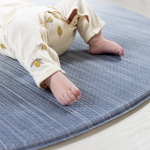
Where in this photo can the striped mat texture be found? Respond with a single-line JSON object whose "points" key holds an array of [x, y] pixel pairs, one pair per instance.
{"points": [[31, 118]]}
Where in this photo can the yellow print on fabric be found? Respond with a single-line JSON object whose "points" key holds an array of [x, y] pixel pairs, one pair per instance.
{"points": [[43, 46], [3, 46], [59, 31], [42, 39], [9, 22], [37, 62], [50, 20], [50, 7]]}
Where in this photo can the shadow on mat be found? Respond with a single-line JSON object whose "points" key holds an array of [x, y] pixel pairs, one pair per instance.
{"points": [[82, 55]]}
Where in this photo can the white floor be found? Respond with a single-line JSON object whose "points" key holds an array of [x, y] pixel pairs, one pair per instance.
{"points": [[138, 6], [128, 132]]}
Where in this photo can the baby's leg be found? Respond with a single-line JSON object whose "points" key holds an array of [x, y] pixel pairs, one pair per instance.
{"points": [[63, 89], [89, 26], [98, 44]]}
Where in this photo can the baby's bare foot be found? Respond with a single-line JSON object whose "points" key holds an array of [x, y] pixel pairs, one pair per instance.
{"points": [[63, 89], [99, 45]]}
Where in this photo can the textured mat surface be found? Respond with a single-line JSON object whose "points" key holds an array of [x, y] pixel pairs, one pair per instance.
{"points": [[31, 118]]}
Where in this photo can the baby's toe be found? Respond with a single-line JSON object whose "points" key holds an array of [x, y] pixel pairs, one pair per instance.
{"points": [[62, 101], [119, 51], [67, 99], [76, 92], [122, 52], [73, 97]]}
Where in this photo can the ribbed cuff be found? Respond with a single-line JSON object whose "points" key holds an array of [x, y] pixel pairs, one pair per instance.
{"points": [[86, 30], [90, 32], [40, 79]]}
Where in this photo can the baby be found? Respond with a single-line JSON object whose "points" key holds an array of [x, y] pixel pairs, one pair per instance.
{"points": [[37, 35]]}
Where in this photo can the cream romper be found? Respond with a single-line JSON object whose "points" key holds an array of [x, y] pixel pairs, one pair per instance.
{"points": [[37, 35]]}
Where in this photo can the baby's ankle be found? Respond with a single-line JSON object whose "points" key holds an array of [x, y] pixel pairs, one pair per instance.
{"points": [[50, 78], [95, 38]]}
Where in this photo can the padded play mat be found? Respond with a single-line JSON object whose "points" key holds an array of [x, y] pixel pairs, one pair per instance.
{"points": [[31, 118]]}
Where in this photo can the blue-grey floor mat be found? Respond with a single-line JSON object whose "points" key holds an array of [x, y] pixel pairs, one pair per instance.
{"points": [[31, 118]]}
